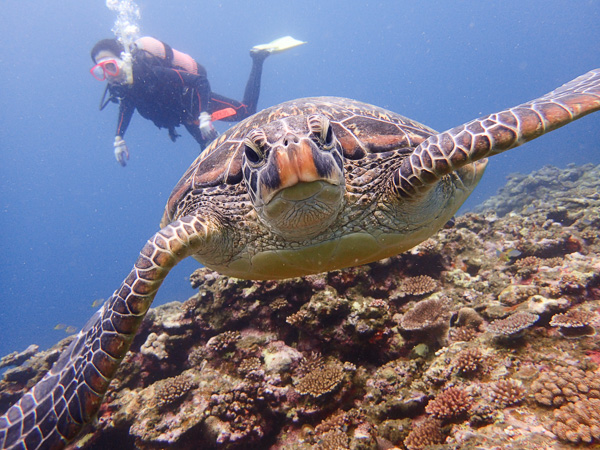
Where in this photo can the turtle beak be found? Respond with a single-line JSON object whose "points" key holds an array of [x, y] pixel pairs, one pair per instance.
{"points": [[296, 164]]}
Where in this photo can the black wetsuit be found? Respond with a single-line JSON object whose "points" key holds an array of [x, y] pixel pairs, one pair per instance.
{"points": [[170, 97]]}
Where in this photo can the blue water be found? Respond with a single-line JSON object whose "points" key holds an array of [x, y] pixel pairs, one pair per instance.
{"points": [[73, 220]]}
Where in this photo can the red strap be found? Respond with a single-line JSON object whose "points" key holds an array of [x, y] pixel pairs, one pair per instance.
{"points": [[222, 114]]}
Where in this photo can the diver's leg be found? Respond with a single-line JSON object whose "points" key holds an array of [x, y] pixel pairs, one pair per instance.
{"points": [[252, 91]]}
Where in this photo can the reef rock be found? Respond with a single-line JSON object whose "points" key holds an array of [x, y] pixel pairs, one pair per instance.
{"points": [[482, 336]]}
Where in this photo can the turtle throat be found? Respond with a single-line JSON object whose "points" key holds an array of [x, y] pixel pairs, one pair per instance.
{"points": [[303, 210]]}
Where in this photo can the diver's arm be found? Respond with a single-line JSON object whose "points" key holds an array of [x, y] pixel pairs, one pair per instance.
{"points": [[126, 109]]}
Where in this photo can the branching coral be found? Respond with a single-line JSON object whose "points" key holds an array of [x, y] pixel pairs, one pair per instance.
{"points": [[428, 314], [506, 392], [468, 361], [419, 285], [223, 342], [426, 433], [513, 325], [333, 440], [578, 422], [171, 390], [575, 323], [321, 380], [450, 404], [564, 384]]}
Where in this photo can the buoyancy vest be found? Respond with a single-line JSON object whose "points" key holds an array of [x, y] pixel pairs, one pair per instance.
{"points": [[172, 58]]}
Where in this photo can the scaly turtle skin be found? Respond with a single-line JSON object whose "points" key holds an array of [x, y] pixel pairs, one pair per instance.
{"points": [[303, 187]]}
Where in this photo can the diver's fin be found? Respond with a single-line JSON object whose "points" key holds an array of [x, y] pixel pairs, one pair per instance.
{"points": [[278, 45]]}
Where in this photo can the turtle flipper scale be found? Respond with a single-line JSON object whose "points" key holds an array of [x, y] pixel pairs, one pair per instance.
{"points": [[446, 152], [54, 410]]}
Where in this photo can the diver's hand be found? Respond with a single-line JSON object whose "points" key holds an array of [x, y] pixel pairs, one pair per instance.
{"points": [[121, 151], [206, 127]]}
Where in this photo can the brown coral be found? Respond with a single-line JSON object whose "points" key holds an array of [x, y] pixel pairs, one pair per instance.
{"points": [[427, 315], [578, 422], [321, 380], [575, 323], [333, 440], [240, 408], [451, 403], [426, 433], [506, 393], [513, 325], [249, 365], [468, 361], [417, 286], [565, 384], [462, 334], [223, 342], [171, 390]]}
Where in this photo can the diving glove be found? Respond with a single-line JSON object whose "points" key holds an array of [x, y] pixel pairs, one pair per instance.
{"points": [[206, 127], [121, 151]]}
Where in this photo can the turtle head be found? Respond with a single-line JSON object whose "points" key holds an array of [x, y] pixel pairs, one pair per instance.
{"points": [[294, 172]]}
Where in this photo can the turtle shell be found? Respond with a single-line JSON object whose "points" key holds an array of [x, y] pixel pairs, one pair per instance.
{"points": [[360, 128]]}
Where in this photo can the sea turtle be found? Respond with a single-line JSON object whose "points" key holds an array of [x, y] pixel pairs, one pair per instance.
{"points": [[306, 186]]}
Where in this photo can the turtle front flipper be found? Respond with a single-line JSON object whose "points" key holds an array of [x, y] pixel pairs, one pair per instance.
{"points": [[447, 152], [54, 411]]}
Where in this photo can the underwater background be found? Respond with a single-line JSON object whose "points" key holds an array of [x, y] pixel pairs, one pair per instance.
{"points": [[74, 220]]}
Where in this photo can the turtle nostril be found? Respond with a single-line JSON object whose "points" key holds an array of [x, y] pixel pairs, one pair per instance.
{"points": [[290, 139]]}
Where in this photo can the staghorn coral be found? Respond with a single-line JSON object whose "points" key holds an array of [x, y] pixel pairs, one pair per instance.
{"points": [[426, 315], [424, 434], [512, 325], [172, 390], [321, 380], [468, 362], [578, 422], [575, 323], [450, 404], [564, 384], [418, 286], [506, 392]]}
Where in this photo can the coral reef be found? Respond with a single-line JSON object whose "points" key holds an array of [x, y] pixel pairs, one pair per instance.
{"points": [[451, 403], [464, 341], [513, 325], [507, 392], [578, 422], [563, 384]]}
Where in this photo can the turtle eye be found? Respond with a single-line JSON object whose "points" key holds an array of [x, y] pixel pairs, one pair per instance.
{"points": [[321, 130], [254, 147]]}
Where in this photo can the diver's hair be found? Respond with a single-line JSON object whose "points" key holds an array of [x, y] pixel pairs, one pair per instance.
{"points": [[112, 45]]}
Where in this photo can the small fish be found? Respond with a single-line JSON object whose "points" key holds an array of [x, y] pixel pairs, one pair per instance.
{"points": [[70, 330], [507, 255], [60, 326], [97, 302]]}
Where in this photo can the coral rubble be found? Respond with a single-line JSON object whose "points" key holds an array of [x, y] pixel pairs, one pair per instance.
{"points": [[483, 336]]}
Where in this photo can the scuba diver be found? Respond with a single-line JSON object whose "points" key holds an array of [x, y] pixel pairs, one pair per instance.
{"points": [[170, 88]]}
